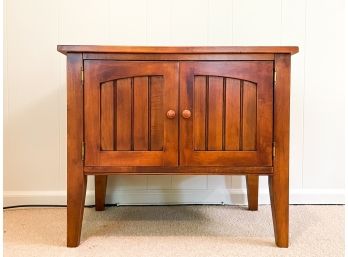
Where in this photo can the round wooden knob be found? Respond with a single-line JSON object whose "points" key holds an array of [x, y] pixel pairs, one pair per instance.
{"points": [[170, 114], [186, 114]]}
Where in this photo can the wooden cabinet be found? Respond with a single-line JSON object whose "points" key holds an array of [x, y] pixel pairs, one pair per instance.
{"points": [[178, 110]]}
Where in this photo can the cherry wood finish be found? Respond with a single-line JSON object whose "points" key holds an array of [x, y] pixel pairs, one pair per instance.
{"points": [[203, 85], [178, 110], [124, 107], [77, 180], [178, 57], [100, 191], [166, 170], [279, 182], [252, 182], [177, 49]]}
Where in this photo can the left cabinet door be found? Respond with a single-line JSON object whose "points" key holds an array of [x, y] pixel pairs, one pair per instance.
{"points": [[131, 113]]}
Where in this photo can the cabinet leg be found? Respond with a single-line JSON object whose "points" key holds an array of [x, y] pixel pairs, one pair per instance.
{"points": [[100, 192], [76, 186], [279, 196], [76, 201], [252, 182]]}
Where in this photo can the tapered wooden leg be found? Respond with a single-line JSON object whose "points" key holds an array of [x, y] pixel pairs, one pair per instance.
{"points": [[76, 186], [279, 181], [100, 192], [76, 201], [279, 196], [252, 182]]}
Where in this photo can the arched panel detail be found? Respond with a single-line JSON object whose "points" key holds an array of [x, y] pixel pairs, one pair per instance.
{"points": [[225, 114], [225, 77], [127, 77]]}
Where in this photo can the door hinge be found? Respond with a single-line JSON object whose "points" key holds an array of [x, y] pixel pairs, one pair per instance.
{"points": [[82, 76], [274, 149], [83, 151], [275, 77]]}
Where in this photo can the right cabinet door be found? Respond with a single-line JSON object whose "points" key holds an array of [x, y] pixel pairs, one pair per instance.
{"points": [[226, 113]]}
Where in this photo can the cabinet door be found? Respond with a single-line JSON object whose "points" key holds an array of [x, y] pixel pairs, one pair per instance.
{"points": [[126, 105], [226, 113]]}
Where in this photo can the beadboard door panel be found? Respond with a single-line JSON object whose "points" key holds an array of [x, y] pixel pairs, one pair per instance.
{"points": [[232, 113], [126, 105]]}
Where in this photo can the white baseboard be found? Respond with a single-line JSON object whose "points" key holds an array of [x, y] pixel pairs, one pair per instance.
{"points": [[168, 196]]}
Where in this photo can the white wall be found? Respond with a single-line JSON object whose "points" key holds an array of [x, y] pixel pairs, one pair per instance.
{"points": [[35, 90]]}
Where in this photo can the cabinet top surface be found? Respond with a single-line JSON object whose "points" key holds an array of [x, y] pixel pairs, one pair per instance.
{"points": [[65, 49]]}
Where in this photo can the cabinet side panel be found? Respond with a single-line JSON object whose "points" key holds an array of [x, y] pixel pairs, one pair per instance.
{"points": [[124, 113], [232, 115], [249, 116], [199, 113], [156, 113], [107, 116], [215, 104], [141, 124]]}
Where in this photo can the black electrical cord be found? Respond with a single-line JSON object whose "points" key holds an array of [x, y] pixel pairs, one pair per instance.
{"points": [[32, 205], [92, 206]]}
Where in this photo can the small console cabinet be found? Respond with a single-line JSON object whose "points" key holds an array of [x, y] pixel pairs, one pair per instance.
{"points": [[178, 110]]}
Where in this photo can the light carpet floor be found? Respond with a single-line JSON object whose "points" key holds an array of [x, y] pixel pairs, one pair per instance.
{"points": [[162, 231]]}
